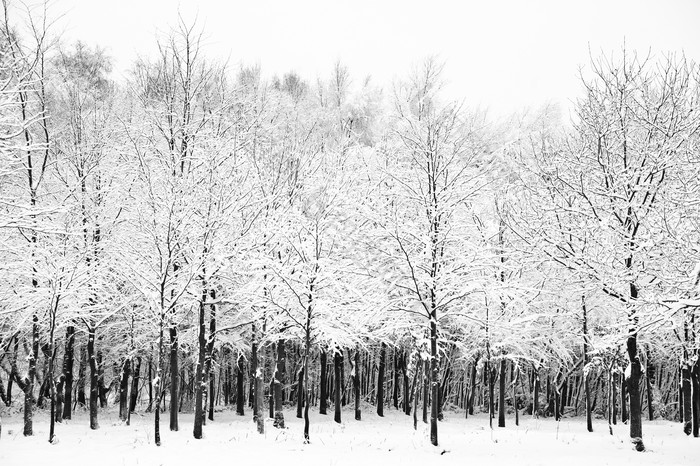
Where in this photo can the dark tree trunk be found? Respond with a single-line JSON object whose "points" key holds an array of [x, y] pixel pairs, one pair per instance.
{"points": [[587, 394], [338, 366], [271, 397], [426, 389], [380, 380], [623, 400], [174, 368], [687, 398], [279, 380], [444, 387], [8, 401], [150, 384], [60, 398], [416, 391], [135, 384], [101, 389], [323, 402], [586, 387], [240, 388], [406, 397], [635, 373], [649, 376], [211, 354], [490, 374], [94, 387], [68, 359], [199, 413], [633, 383], [254, 375], [158, 386], [564, 395], [695, 381], [31, 376], [434, 378], [396, 384], [472, 388], [356, 377], [536, 392], [124, 390], [502, 393], [259, 389], [614, 408], [300, 393], [81, 377], [514, 377], [52, 393]]}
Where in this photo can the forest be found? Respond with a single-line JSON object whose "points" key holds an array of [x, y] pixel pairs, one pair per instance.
{"points": [[198, 239]]}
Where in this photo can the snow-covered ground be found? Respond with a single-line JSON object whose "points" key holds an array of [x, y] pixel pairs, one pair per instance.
{"points": [[233, 439]]}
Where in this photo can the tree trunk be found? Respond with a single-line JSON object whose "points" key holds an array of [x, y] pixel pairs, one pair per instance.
{"points": [[199, 413], [68, 359], [380, 380], [633, 381], [416, 390], [649, 376], [305, 389], [490, 376], [426, 389], [536, 393], [135, 384], [434, 380], [396, 384], [157, 381], [81, 377], [174, 368], [254, 374], [211, 355], [149, 408], [259, 394], [279, 382], [502, 393], [695, 382], [31, 376], [687, 398], [300, 393], [356, 385], [323, 402], [406, 385], [94, 387], [338, 366], [8, 401], [240, 388], [124, 390], [586, 387], [52, 395], [515, 373], [60, 398], [101, 389], [623, 399], [472, 388], [615, 381], [564, 395], [271, 397]]}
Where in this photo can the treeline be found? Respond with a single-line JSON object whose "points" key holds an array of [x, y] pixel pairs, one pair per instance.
{"points": [[197, 236]]}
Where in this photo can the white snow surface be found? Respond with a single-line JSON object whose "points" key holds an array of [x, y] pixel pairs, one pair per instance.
{"points": [[232, 439]]}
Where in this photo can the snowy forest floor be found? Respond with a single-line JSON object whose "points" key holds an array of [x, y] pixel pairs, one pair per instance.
{"points": [[373, 440]]}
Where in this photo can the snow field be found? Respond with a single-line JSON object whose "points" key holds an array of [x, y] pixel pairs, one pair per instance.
{"points": [[391, 440]]}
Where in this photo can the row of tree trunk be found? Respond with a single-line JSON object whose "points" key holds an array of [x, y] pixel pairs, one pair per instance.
{"points": [[386, 377]]}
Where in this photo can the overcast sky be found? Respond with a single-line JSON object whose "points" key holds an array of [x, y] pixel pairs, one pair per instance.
{"points": [[500, 54]]}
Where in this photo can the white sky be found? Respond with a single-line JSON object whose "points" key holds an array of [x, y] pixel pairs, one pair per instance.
{"points": [[500, 54]]}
